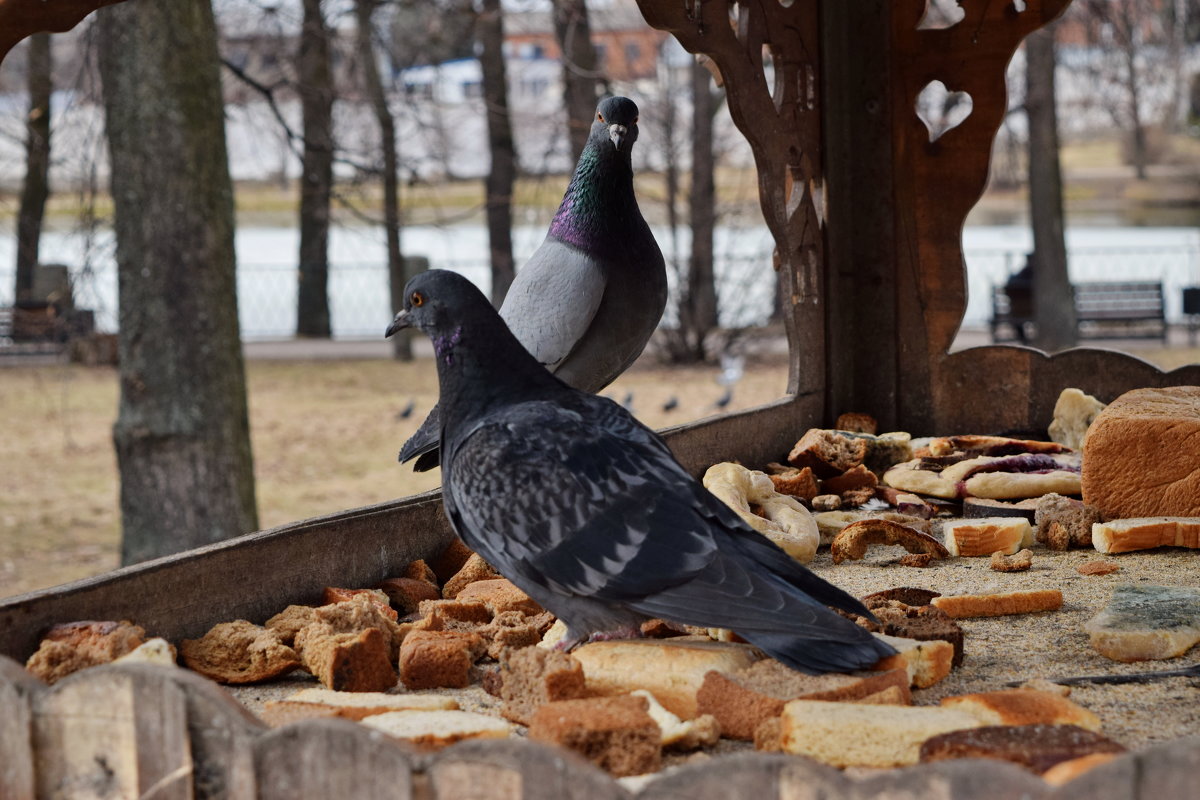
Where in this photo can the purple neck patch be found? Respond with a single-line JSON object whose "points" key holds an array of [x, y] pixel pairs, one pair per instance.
{"points": [[443, 346]]}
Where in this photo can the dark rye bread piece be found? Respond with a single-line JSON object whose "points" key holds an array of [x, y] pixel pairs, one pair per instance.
{"points": [[616, 734], [744, 699], [1062, 522], [534, 676], [980, 507], [923, 623], [909, 595], [1035, 747], [827, 453]]}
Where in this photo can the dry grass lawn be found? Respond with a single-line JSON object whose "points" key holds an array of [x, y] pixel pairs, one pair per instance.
{"points": [[325, 437]]}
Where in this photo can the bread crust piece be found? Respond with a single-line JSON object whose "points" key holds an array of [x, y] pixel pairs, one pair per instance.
{"points": [[322, 703], [616, 734], [72, 646], [742, 700], [854, 539], [1067, 771], [1145, 533], [1023, 707], [433, 730], [828, 453], [982, 537], [847, 735], [1017, 562], [533, 676], [1035, 747], [963, 606], [239, 652], [1141, 453], [794, 482]]}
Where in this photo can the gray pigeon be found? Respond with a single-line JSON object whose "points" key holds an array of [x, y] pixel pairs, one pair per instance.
{"points": [[592, 294], [586, 510]]}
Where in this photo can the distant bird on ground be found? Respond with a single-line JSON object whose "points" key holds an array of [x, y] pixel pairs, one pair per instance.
{"points": [[671, 404], [627, 403], [724, 399], [591, 295], [406, 412], [586, 510]]}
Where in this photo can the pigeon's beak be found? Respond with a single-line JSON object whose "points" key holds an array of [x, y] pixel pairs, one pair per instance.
{"points": [[401, 322], [618, 133]]}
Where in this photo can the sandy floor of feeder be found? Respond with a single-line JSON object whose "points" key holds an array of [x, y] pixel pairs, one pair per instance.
{"points": [[997, 650]]}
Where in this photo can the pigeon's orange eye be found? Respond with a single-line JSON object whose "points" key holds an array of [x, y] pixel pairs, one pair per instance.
{"points": [[599, 116], [417, 300]]}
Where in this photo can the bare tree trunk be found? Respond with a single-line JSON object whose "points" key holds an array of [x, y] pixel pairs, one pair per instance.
{"points": [[701, 292], [316, 178], [37, 164], [1129, 50], [580, 83], [503, 172], [1053, 301], [182, 434], [402, 344]]}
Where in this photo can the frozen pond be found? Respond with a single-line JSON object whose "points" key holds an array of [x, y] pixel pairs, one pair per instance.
{"points": [[358, 291]]}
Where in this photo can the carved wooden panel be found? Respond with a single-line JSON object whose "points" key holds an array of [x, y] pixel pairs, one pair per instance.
{"points": [[768, 55], [851, 174]]}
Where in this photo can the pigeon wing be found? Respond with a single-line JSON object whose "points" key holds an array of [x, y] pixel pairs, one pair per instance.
{"points": [[553, 301], [582, 499]]}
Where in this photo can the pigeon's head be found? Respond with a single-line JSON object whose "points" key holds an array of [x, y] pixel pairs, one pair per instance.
{"points": [[616, 121], [437, 302]]}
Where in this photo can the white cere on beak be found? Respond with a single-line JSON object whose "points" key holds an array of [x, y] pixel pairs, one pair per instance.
{"points": [[617, 133]]}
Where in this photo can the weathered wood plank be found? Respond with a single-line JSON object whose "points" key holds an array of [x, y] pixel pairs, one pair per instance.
{"points": [[753, 437], [331, 758], [861, 310], [516, 769], [959, 779], [113, 732], [18, 689], [222, 735], [761, 776], [250, 577]]}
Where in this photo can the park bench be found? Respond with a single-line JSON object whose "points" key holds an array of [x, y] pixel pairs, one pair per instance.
{"points": [[1103, 309]]}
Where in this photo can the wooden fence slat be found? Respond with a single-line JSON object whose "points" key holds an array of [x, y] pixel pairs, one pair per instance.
{"points": [[517, 769], [222, 734], [1116, 780], [958, 779], [18, 689], [760, 776], [1170, 770], [113, 732], [331, 758]]}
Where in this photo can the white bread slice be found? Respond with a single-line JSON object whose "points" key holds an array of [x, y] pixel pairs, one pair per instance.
{"points": [[703, 731], [982, 537], [926, 662], [848, 734], [671, 669], [1144, 533], [310, 703], [1023, 707], [431, 730]]}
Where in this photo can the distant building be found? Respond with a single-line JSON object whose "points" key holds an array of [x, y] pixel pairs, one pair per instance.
{"points": [[627, 49]]}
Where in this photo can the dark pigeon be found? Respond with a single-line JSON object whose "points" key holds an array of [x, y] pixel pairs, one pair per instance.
{"points": [[592, 294], [586, 510], [671, 404]]}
